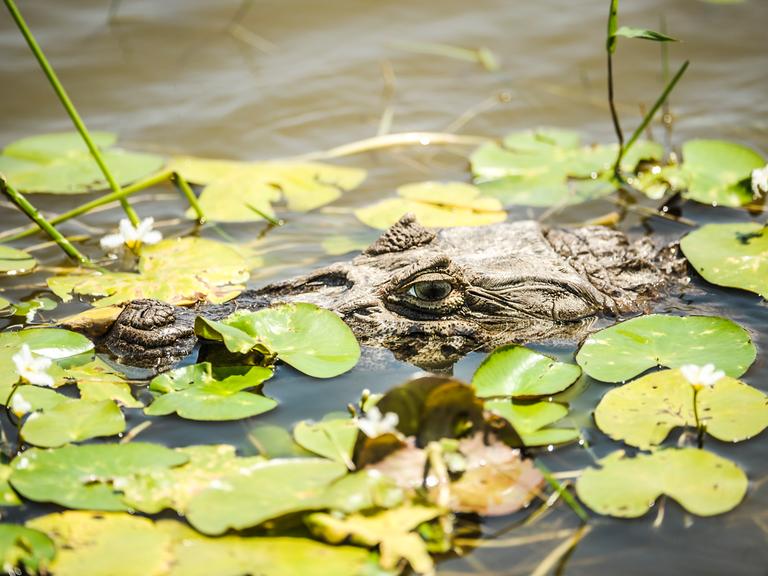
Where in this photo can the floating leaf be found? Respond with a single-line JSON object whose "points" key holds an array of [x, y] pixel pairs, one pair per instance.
{"points": [[97, 381], [311, 339], [643, 412], [4, 304], [199, 392], [701, 482], [61, 163], [333, 438], [519, 372], [624, 350], [344, 244], [83, 476], [391, 530], [717, 172], [531, 421], [177, 271], [435, 204], [7, 496], [733, 255], [26, 548], [29, 308], [15, 262], [233, 188], [73, 421]]}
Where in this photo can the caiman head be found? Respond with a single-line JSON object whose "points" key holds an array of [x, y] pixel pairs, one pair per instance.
{"points": [[432, 296]]}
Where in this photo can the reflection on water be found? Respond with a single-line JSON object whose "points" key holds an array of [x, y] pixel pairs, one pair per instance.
{"points": [[274, 79]]}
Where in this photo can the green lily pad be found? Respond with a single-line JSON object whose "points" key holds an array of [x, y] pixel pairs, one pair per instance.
{"points": [[199, 392], [311, 339], [233, 189], [22, 547], [83, 476], [531, 421], [7, 496], [96, 381], [643, 412], [519, 372], [15, 262], [178, 271], [61, 164], [332, 438], [624, 350], [73, 421], [717, 172], [29, 308], [435, 204], [733, 255], [701, 482], [4, 304]]}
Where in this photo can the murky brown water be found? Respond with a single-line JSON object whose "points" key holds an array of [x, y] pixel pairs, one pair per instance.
{"points": [[269, 79]]}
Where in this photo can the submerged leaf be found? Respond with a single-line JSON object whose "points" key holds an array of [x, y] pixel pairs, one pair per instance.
{"points": [[15, 262], [624, 350], [733, 255], [311, 339], [22, 547], [519, 372], [701, 482], [435, 204], [177, 271]]}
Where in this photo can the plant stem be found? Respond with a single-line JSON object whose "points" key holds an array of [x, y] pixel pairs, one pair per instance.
{"points": [[699, 426], [68, 106], [564, 494], [26, 207], [185, 189], [610, 48]]}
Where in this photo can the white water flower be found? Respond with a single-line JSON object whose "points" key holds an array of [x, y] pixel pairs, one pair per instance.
{"points": [[132, 236], [32, 369], [19, 405], [701, 376], [375, 424], [760, 181]]}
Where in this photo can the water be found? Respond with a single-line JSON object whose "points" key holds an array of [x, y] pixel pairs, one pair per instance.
{"points": [[177, 77]]}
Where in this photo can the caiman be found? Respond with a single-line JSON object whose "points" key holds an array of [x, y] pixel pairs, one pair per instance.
{"points": [[431, 296]]}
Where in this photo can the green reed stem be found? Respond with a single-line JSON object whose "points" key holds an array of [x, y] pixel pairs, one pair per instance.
{"points": [[610, 48], [564, 494], [68, 106], [185, 189], [34, 215]]}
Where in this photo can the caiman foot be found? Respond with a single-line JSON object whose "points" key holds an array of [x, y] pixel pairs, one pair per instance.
{"points": [[152, 334]]}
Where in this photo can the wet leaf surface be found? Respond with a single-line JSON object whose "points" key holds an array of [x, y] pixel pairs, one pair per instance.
{"points": [[73, 421], [701, 482], [14, 262], [622, 351], [532, 421]]}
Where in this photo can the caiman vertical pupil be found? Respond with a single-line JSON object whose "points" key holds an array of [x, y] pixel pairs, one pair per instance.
{"points": [[432, 291]]}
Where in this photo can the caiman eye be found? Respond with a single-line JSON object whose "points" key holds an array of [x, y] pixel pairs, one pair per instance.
{"points": [[431, 290]]}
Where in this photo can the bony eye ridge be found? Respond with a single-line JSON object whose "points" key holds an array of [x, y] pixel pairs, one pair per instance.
{"points": [[430, 290]]}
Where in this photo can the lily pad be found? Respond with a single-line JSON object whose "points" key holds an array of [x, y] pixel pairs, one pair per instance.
{"points": [[531, 421], [624, 350], [733, 255], [519, 372], [15, 262], [61, 163], [73, 421], [83, 476], [29, 308], [311, 339], [4, 304], [22, 547], [97, 381], [233, 189], [7, 496], [701, 482], [332, 438], [200, 392], [643, 412], [177, 271], [435, 204], [391, 530], [717, 172]]}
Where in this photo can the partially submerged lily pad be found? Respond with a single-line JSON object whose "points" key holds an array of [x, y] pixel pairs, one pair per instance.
{"points": [[200, 392], [701, 482], [177, 271], [519, 372], [733, 255], [435, 204], [624, 350], [233, 189], [62, 164], [643, 412], [22, 547], [311, 339], [15, 262]]}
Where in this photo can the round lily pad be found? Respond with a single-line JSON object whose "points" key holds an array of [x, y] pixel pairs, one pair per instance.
{"points": [[15, 262], [73, 421], [733, 255], [519, 372], [643, 412], [701, 482], [627, 349]]}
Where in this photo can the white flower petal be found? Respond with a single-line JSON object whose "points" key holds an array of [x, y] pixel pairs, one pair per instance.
{"points": [[152, 237], [111, 242]]}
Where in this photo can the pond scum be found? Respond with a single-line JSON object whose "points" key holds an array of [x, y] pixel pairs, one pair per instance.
{"points": [[391, 483]]}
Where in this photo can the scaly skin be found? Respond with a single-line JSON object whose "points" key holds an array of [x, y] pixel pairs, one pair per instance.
{"points": [[433, 296]]}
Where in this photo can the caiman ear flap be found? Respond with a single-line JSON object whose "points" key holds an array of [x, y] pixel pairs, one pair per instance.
{"points": [[406, 233]]}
